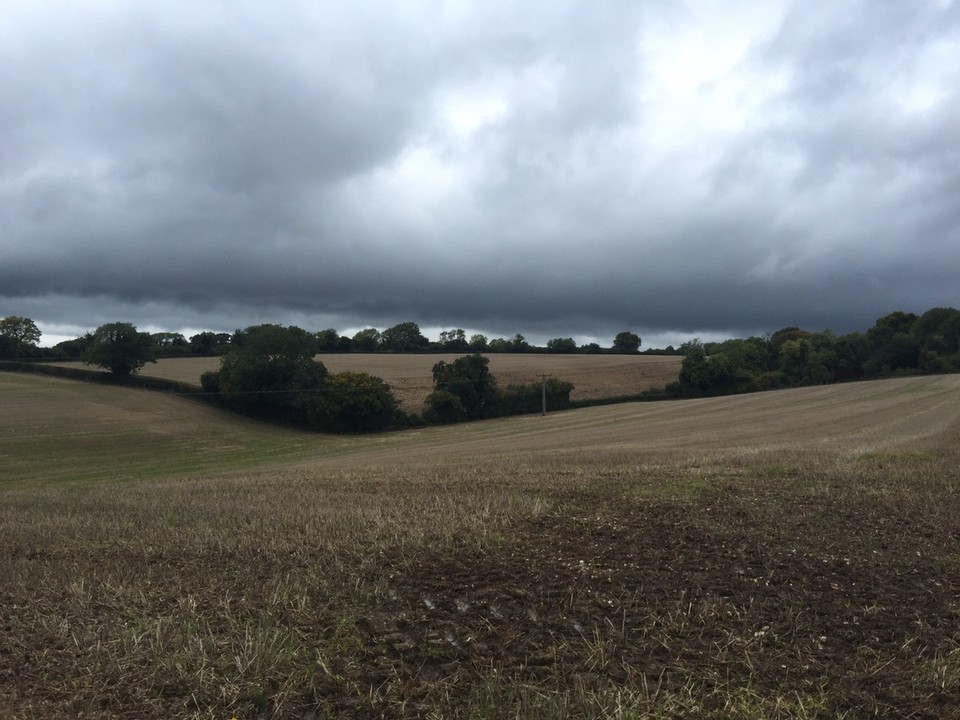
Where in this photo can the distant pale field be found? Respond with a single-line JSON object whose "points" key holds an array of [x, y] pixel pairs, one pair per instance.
{"points": [[593, 376]]}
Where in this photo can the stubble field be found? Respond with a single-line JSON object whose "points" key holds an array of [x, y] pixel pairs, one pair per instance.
{"points": [[788, 554], [410, 378]]}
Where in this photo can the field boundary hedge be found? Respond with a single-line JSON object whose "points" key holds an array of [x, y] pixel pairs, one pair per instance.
{"points": [[142, 382], [652, 395]]}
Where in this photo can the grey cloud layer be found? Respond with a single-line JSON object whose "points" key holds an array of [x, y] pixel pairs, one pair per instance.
{"points": [[571, 167]]}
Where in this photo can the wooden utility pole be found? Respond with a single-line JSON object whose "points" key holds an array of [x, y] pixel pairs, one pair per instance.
{"points": [[543, 394]]}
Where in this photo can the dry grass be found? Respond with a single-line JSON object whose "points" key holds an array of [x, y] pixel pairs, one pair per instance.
{"points": [[782, 555], [594, 376]]}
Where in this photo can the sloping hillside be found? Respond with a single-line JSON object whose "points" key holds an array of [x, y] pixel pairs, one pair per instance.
{"points": [[780, 555], [57, 429]]}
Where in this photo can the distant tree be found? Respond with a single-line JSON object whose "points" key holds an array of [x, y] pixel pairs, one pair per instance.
{"points": [[695, 376], [591, 348], [470, 381], [367, 340], [328, 341], [169, 343], [899, 342], [18, 336], [895, 322], [852, 352], [785, 335], [796, 357], [454, 340], [405, 337], [209, 343], [478, 343], [119, 348], [893, 344], [168, 339], [22, 329], [562, 345], [692, 347], [499, 345], [519, 344], [72, 348], [626, 342], [270, 371], [353, 402], [938, 330]]}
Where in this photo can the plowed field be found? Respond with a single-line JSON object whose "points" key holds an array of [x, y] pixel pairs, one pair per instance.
{"points": [[780, 555]]}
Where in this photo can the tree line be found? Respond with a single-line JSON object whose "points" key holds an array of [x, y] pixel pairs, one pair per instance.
{"points": [[899, 343], [271, 371], [19, 337]]}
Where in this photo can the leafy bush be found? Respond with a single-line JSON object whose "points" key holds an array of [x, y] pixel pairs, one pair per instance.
{"points": [[518, 399], [468, 379], [353, 402], [466, 390], [443, 407], [270, 372]]}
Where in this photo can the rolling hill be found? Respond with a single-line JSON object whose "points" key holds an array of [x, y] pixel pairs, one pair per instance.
{"points": [[778, 555]]}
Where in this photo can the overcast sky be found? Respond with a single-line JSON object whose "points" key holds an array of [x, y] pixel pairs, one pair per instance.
{"points": [[552, 168]]}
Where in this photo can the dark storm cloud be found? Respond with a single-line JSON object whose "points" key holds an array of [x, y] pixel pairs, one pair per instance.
{"points": [[549, 168]]}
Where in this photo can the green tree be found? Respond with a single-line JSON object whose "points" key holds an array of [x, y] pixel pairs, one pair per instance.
{"points": [[454, 340], [328, 341], [353, 402], [73, 348], [478, 343], [938, 330], [694, 371], [562, 345], [270, 371], [470, 381], [22, 329], [442, 408], [626, 342], [783, 335], [852, 351], [692, 348], [367, 340], [209, 343], [169, 343], [894, 346], [18, 336], [519, 344], [119, 348], [405, 337]]}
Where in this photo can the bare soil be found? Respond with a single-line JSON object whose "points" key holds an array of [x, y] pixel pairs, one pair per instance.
{"points": [[782, 555]]}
